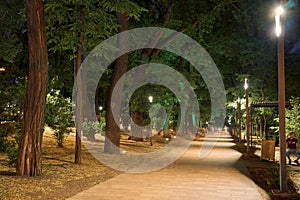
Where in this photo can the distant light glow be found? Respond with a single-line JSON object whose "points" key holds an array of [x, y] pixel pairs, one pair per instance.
{"points": [[2, 69], [100, 108], [150, 99], [123, 152]]}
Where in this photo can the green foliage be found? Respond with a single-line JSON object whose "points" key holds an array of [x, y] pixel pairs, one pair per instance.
{"points": [[293, 117], [292, 122], [126, 6], [91, 128], [4, 132], [9, 140], [58, 115], [12, 89], [67, 20], [11, 23], [12, 146]]}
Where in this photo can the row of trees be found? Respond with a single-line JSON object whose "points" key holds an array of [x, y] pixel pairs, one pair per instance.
{"points": [[237, 34]]}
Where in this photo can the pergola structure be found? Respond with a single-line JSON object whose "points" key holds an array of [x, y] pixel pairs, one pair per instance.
{"points": [[272, 104], [268, 104]]}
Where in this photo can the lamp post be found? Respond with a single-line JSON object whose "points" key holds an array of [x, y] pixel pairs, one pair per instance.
{"points": [[247, 113], [279, 20]]}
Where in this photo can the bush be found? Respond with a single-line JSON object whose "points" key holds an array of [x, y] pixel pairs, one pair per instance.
{"points": [[12, 153], [293, 117], [58, 115], [9, 140], [3, 138], [90, 128], [6, 130]]}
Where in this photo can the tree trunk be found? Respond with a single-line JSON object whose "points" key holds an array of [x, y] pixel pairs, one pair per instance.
{"points": [[164, 21], [181, 64], [138, 119], [112, 130], [261, 132], [79, 113], [265, 125], [29, 154]]}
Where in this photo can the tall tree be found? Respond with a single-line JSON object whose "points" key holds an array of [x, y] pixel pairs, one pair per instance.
{"points": [[124, 10], [29, 157], [75, 29], [112, 129]]}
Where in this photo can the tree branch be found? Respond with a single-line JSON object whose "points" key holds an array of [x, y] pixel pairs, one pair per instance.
{"points": [[168, 13], [167, 40]]}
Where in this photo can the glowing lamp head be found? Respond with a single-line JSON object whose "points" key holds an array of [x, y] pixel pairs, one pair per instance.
{"points": [[278, 13], [246, 84]]}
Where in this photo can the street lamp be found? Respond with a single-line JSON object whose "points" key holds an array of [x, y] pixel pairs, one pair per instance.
{"points": [[247, 113], [279, 20]]}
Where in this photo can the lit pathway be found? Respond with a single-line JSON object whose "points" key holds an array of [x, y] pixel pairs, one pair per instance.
{"points": [[217, 176]]}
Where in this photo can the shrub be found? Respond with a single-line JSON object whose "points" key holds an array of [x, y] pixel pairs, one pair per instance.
{"points": [[293, 117], [58, 115], [3, 137], [6, 130], [90, 128], [11, 145], [12, 153]]}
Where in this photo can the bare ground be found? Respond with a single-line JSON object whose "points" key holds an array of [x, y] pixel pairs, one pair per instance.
{"points": [[61, 177]]}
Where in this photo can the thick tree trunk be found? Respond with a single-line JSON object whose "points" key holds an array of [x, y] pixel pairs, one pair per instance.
{"points": [[29, 155], [112, 130]]}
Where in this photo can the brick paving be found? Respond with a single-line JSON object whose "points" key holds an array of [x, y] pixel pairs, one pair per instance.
{"points": [[220, 175]]}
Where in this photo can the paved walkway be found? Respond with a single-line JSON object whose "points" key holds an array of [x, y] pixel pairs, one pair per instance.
{"points": [[217, 176]]}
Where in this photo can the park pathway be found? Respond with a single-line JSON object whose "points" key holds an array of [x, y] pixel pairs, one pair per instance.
{"points": [[220, 175]]}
